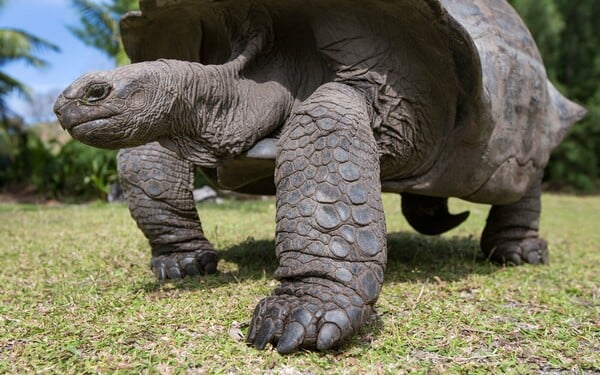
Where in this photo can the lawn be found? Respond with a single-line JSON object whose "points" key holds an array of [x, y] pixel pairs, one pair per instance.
{"points": [[77, 296]]}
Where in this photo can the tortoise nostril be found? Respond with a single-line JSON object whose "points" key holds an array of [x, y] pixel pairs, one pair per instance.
{"points": [[57, 108], [63, 112]]}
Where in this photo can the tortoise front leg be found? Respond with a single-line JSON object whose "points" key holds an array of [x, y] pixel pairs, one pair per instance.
{"points": [[511, 233], [331, 239], [158, 187]]}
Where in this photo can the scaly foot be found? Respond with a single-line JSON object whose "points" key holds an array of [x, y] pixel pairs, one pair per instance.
{"points": [[312, 313], [187, 263], [515, 253]]}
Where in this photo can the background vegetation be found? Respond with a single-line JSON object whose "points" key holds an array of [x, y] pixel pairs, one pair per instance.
{"points": [[40, 158], [565, 30], [31, 162]]}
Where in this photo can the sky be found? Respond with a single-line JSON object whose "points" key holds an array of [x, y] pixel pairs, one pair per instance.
{"points": [[48, 19]]}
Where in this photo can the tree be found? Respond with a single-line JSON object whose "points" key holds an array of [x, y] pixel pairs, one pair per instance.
{"points": [[546, 23], [100, 26], [18, 45], [566, 33]]}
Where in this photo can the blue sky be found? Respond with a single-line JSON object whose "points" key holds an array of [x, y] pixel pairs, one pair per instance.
{"points": [[48, 19]]}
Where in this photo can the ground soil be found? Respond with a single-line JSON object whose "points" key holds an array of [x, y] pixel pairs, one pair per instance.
{"points": [[26, 195]]}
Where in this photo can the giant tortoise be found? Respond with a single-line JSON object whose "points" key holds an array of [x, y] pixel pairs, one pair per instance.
{"points": [[326, 104]]}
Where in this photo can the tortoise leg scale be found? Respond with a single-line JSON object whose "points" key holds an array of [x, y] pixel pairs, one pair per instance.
{"points": [[158, 188], [331, 238], [511, 234]]}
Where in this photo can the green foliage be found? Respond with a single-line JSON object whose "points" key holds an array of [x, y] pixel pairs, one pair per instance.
{"points": [[72, 171], [18, 45], [86, 171], [100, 26], [576, 162], [546, 23], [566, 32], [24, 157]]}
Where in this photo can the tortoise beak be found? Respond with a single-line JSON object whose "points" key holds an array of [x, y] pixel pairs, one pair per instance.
{"points": [[64, 108]]}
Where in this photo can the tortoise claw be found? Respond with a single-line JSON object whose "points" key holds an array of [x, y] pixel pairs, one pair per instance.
{"points": [[181, 264], [531, 250]]}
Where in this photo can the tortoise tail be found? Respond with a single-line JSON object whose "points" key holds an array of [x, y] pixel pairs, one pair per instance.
{"points": [[568, 112], [429, 215]]}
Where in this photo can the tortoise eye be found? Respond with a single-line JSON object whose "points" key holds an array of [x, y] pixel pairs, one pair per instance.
{"points": [[96, 93]]}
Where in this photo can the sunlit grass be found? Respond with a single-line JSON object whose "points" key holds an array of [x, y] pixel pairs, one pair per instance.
{"points": [[77, 296]]}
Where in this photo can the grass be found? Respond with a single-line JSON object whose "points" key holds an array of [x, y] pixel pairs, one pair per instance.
{"points": [[77, 296]]}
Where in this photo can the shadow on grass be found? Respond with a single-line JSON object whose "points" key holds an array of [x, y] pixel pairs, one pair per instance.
{"points": [[411, 258], [417, 258]]}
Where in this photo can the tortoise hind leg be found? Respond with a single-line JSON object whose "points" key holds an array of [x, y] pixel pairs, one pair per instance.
{"points": [[429, 215], [158, 187], [511, 234]]}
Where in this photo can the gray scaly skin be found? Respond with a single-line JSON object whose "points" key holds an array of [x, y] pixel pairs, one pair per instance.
{"points": [[331, 239], [343, 216], [413, 97], [158, 187], [511, 234]]}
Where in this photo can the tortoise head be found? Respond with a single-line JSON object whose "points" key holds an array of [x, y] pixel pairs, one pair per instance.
{"points": [[124, 107]]}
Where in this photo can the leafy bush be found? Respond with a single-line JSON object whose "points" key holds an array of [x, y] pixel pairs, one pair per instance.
{"points": [[575, 164], [24, 158], [85, 172], [72, 171]]}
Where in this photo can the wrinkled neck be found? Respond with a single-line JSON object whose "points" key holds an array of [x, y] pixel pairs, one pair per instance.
{"points": [[223, 113]]}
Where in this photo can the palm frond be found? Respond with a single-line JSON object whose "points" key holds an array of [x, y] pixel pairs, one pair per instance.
{"points": [[120, 7], [9, 84], [20, 45], [99, 28]]}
